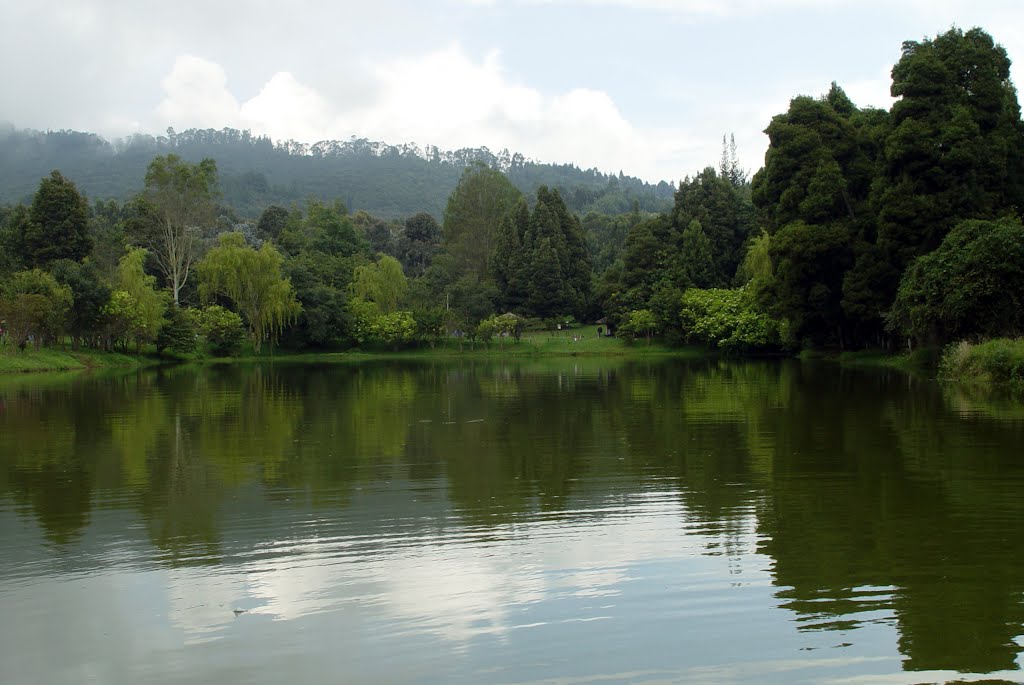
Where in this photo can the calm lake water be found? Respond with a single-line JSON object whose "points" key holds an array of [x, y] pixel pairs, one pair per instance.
{"points": [[560, 522]]}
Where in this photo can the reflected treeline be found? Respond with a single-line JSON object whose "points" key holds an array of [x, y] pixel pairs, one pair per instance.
{"points": [[877, 496]]}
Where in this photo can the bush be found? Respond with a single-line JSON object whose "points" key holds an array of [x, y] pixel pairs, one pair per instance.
{"points": [[999, 361], [727, 319], [222, 329]]}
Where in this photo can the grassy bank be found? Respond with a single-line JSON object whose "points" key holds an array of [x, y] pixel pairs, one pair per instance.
{"points": [[995, 362], [579, 342], [54, 359]]}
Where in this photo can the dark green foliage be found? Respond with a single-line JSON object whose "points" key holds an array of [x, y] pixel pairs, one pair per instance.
{"points": [[510, 261], [971, 286], [90, 294], [807, 287], [10, 240], [664, 304], [56, 225], [722, 207], [956, 148], [272, 221], [540, 262], [474, 211], [419, 242], [693, 265], [177, 334]]}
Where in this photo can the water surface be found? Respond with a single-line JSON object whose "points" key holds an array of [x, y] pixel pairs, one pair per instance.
{"points": [[555, 522]]}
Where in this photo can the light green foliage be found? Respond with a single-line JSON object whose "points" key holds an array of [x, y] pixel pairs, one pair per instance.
{"points": [[252, 280], [639, 322], [727, 319], [362, 316], [182, 197], [124, 319], [370, 325], [146, 313], [501, 327], [757, 262], [33, 303], [221, 328], [394, 329], [972, 285], [382, 283]]}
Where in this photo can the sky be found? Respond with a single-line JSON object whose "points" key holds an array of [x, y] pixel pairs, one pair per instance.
{"points": [[647, 87]]}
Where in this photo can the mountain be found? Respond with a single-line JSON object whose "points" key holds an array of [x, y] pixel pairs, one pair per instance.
{"points": [[385, 180]]}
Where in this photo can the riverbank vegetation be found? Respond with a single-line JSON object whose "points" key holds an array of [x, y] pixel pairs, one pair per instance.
{"points": [[999, 361], [865, 229]]}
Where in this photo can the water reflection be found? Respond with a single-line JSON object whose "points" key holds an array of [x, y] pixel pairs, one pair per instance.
{"points": [[504, 508]]}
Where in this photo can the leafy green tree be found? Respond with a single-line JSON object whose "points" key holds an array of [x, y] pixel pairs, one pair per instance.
{"points": [[177, 334], [507, 325], [956, 146], [33, 304], [382, 283], [394, 329], [89, 293], [253, 281], [727, 319], [510, 261], [123, 319], [221, 328], [971, 286], [694, 264], [721, 205], [664, 303], [807, 288], [57, 223], [472, 215], [363, 315], [639, 322], [145, 312], [182, 197]]}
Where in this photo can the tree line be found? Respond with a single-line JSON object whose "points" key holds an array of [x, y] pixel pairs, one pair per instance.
{"points": [[864, 228]]}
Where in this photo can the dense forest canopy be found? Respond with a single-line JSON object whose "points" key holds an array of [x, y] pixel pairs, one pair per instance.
{"points": [[389, 181], [864, 228]]}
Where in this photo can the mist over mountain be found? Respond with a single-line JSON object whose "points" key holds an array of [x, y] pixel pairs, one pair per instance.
{"points": [[385, 180]]}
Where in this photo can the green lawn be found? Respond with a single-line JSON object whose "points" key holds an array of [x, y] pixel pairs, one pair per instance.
{"points": [[55, 359]]}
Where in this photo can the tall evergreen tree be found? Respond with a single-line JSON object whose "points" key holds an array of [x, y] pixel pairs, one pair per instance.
{"points": [[56, 225]]}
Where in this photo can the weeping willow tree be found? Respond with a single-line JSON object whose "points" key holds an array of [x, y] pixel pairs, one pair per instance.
{"points": [[252, 280]]}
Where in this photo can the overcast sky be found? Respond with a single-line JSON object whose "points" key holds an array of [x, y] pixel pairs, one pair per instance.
{"points": [[644, 86]]}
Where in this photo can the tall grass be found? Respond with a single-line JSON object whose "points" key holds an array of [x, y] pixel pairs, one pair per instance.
{"points": [[999, 361]]}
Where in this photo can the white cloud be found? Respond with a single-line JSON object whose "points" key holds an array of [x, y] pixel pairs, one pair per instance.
{"points": [[196, 95], [443, 98]]}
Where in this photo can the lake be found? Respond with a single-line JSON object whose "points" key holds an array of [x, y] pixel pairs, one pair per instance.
{"points": [[555, 522]]}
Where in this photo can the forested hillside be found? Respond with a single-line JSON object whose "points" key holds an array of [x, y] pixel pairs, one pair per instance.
{"points": [[384, 180]]}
